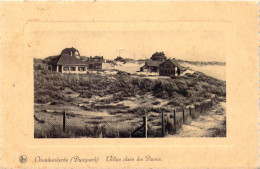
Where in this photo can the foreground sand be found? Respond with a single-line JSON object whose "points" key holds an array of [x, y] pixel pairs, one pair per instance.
{"points": [[205, 125]]}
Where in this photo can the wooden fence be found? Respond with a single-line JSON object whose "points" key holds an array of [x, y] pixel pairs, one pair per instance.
{"points": [[191, 112], [187, 112]]}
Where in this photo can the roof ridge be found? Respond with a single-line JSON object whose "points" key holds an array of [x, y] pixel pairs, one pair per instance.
{"points": [[58, 59], [68, 59]]}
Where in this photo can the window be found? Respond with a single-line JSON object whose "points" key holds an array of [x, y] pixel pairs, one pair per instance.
{"points": [[73, 68], [97, 65], [91, 66], [81, 68], [65, 68]]}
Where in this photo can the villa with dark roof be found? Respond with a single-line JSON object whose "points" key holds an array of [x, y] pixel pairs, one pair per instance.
{"points": [[68, 62], [159, 64], [153, 65], [170, 67]]}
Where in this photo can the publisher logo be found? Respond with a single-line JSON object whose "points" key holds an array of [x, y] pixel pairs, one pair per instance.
{"points": [[23, 158]]}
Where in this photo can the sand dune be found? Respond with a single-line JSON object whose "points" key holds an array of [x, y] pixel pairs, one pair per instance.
{"points": [[216, 71]]}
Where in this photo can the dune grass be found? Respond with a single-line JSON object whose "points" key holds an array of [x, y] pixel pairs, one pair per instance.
{"points": [[181, 91], [49, 87]]}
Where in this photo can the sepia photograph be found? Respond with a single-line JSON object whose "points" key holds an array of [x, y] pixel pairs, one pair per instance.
{"points": [[129, 84]]}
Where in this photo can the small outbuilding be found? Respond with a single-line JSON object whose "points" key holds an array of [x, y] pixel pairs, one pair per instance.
{"points": [[94, 65], [151, 66]]}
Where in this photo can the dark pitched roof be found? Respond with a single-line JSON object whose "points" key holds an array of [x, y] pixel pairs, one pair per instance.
{"points": [[153, 63], [53, 59], [173, 61], [68, 51], [65, 59], [98, 57]]}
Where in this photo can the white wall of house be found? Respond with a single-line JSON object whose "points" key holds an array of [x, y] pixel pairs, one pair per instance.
{"points": [[74, 69]]}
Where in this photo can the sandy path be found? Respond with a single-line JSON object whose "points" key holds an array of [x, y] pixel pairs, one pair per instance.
{"points": [[205, 125]]}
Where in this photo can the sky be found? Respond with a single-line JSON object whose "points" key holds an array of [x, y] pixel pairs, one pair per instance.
{"points": [[204, 45]]}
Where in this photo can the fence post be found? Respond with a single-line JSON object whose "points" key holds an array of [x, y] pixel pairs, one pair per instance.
{"points": [[183, 118], [145, 126], [190, 111], [64, 121], [163, 127], [174, 119], [100, 134]]}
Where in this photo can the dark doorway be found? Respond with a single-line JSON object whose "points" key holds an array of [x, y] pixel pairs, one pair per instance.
{"points": [[178, 71], [91, 66], [60, 68]]}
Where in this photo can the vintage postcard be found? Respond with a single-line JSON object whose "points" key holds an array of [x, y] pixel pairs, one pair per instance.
{"points": [[129, 84]]}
